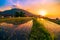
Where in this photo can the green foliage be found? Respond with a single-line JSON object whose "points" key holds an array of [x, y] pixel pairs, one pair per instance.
{"points": [[16, 14], [57, 21], [21, 14], [38, 32]]}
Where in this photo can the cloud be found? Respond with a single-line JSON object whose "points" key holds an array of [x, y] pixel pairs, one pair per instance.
{"points": [[52, 6], [33, 5], [5, 8]]}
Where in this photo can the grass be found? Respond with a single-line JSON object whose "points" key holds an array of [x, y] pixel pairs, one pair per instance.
{"points": [[15, 20], [38, 32]]}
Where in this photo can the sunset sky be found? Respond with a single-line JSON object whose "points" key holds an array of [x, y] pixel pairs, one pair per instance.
{"points": [[52, 7]]}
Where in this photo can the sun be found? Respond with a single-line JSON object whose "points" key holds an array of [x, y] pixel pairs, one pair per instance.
{"points": [[42, 12]]}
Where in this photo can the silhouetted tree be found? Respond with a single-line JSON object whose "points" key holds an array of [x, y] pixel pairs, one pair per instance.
{"points": [[21, 14], [16, 14], [57, 18]]}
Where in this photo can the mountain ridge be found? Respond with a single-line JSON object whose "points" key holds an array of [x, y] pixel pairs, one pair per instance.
{"points": [[14, 10]]}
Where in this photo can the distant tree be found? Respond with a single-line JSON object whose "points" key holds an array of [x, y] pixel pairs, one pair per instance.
{"points": [[19, 14], [57, 21], [22, 14], [57, 18], [0, 15], [16, 14]]}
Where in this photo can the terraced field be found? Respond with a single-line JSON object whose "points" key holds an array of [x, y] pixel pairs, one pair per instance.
{"points": [[23, 29]]}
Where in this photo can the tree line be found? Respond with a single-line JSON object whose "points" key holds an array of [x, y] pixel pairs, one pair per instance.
{"points": [[16, 14]]}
